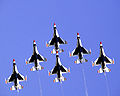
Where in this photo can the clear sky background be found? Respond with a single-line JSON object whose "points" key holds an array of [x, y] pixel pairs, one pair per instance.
{"points": [[22, 21]]}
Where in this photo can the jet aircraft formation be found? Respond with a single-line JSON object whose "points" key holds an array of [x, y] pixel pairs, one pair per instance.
{"points": [[59, 69]]}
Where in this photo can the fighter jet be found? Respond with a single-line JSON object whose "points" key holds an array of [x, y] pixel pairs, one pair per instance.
{"points": [[36, 58], [80, 51], [102, 60], [59, 69], [16, 77], [56, 41]]}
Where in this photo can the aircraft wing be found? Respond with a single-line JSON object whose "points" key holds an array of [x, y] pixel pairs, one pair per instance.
{"points": [[85, 51], [61, 41], [108, 60], [51, 42], [20, 77], [74, 52], [41, 58], [31, 59], [63, 69], [97, 62], [54, 70], [10, 79]]}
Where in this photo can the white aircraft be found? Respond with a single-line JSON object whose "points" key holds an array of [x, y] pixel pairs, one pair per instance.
{"points": [[59, 69], [80, 51], [56, 41], [102, 60], [16, 77], [36, 58]]}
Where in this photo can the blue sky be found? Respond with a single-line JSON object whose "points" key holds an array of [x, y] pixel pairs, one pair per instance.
{"points": [[22, 21]]}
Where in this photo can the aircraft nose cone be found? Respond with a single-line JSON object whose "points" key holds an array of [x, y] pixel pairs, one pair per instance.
{"points": [[13, 60]]}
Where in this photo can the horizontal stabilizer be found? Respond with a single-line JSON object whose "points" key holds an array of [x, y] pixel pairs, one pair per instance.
{"points": [[12, 88], [61, 79], [20, 86], [61, 50], [107, 69], [37, 68], [55, 80], [77, 61], [104, 70], [32, 69], [53, 51], [100, 70], [80, 61]]}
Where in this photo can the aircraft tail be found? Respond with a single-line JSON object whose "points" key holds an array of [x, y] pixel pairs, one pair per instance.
{"points": [[38, 68], [80, 61], [54, 51], [12, 88], [18, 87], [77, 61], [104, 70], [61, 79]]}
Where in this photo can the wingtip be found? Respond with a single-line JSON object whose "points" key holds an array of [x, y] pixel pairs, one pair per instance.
{"points": [[42, 67], [93, 64], [22, 87], [45, 59], [26, 78], [54, 80], [46, 44], [49, 74], [26, 61], [69, 70], [90, 51], [113, 62], [70, 54], [66, 42], [6, 81]]}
